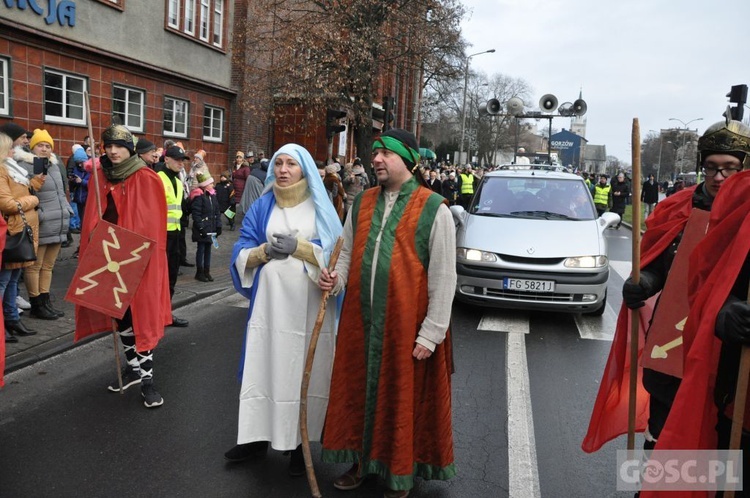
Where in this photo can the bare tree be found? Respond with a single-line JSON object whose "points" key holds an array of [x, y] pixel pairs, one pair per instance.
{"points": [[328, 53]]}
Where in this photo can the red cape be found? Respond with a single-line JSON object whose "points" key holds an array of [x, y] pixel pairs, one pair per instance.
{"points": [[714, 266], [142, 208], [609, 418]]}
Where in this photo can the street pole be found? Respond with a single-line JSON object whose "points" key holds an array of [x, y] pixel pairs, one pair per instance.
{"points": [[463, 109], [685, 130]]}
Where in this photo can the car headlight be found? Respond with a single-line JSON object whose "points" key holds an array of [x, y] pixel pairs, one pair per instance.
{"points": [[475, 255], [586, 262]]}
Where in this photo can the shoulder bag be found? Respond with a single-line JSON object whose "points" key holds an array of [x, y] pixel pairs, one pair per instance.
{"points": [[19, 248]]}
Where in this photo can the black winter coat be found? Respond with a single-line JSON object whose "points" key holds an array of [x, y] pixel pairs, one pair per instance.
{"points": [[206, 217], [225, 195]]}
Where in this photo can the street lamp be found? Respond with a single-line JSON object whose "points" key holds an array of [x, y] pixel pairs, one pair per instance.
{"points": [[682, 161], [463, 111]]}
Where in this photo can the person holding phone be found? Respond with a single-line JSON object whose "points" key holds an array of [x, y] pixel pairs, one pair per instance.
{"points": [[54, 220]]}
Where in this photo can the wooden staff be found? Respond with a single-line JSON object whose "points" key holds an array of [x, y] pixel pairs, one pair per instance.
{"points": [[99, 211], [635, 276], [740, 398], [308, 372]]}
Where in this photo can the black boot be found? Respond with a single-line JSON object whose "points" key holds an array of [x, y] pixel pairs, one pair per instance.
{"points": [[39, 310], [48, 305], [10, 338], [16, 327], [200, 275], [207, 273]]}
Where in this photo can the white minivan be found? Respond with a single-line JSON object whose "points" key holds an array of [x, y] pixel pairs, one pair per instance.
{"points": [[531, 239]]}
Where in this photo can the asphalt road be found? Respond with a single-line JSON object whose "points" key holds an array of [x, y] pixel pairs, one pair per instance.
{"points": [[521, 401]]}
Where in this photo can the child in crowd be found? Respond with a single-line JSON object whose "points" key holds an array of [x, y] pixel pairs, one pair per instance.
{"points": [[206, 214]]}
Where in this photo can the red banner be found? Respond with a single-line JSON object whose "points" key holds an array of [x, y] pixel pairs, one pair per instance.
{"points": [[663, 349], [110, 270]]}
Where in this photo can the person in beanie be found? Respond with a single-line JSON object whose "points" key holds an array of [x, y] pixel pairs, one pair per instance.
{"points": [[18, 134], [390, 403], [206, 214], [54, 220], [131, 196], [225, 196], [146, 150]]}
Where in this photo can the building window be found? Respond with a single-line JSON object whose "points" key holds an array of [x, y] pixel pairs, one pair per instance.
{"points": [[205, 13], [117, 4], [201, 20], [213, 124], [218, 22], [175, 117], [190, 17], [173, 14], [4, 87], [128, 107], [63, 98]]}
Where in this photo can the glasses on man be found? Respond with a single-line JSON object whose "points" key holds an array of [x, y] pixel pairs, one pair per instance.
{"points": [[725, 172]]}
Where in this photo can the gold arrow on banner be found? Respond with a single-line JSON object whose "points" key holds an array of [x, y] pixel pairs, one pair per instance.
{"points": [[660, 352]]}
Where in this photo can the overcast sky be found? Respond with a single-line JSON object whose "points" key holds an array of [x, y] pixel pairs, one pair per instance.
{"points": [[646, 59]]}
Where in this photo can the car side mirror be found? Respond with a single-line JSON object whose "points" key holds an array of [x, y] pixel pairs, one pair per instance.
{"points": [[459, 213], [609, 219]]}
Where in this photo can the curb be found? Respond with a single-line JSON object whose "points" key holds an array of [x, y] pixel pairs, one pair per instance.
{"points": [[65, 342]]}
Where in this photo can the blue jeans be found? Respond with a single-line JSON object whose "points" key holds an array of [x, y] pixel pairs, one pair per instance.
{"points": [[9, 289], [203, 255]]}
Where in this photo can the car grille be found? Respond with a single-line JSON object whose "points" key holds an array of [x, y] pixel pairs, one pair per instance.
{"points": [[527, 296], [530, 261]]}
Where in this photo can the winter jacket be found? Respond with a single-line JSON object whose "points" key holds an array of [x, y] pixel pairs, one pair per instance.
{"points": [[79, 192], [12, 193], [619, 201], [239, 177], [225, 195], [206, 215], [54, 210]]}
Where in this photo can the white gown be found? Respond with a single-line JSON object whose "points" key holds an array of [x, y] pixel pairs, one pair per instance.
{"points": [[277, 337]]}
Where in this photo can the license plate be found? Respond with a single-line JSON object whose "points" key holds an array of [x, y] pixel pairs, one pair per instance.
{"points": [[524, 285]]}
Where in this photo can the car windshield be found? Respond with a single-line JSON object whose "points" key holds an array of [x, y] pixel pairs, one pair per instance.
{"points": [[543, 198]]}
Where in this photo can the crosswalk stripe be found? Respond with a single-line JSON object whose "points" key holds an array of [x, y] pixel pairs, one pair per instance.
{"points": [[598, 328], [505, 321]]}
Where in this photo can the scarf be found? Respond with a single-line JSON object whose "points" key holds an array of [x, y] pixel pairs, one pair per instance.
{"points": [[119, 172], [19, 174], [292, 195]]}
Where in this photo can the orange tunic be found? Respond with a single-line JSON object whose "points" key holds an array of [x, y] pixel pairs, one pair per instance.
{"points": [[387, 410]]}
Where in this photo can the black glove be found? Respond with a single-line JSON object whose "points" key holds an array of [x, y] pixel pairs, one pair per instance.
{"points": [[284, 243], [218, 231], [733, 322], [272, 253], [634, 294]]}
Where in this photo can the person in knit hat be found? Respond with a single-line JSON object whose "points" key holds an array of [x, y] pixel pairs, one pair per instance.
{"points": [[399, 263], [204, 208], [131, 196], [54, 220], [147, 151], [198, 167], [16, 133]]}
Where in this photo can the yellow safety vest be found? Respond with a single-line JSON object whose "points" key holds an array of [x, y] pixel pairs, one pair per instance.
{"points": [[467, 183], [174, 201], [601, 194]]}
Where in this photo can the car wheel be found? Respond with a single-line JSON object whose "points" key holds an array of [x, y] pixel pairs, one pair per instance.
{"points": [[600, 310]]}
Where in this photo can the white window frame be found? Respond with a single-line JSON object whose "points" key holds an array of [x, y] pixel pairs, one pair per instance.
{"points": [[173, 14], [4, 87], [210, 112], [204, 28], [218, 19], [174, 103], [189, 24], [136, 127], [64, 119]]}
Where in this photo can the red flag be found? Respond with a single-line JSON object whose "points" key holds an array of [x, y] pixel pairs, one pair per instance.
{"points": [[609, 417]]}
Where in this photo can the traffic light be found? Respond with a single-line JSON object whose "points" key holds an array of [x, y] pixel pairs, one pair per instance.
{"points": [[738, 95], [333, 124]]}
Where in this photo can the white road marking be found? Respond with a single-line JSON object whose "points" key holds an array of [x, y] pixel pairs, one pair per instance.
{"points": [[523, 476], [598, 328], [505, 321], [622, 268]]}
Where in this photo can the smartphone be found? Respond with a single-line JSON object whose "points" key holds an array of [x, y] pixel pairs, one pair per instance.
{"points": [[40, 165]]}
